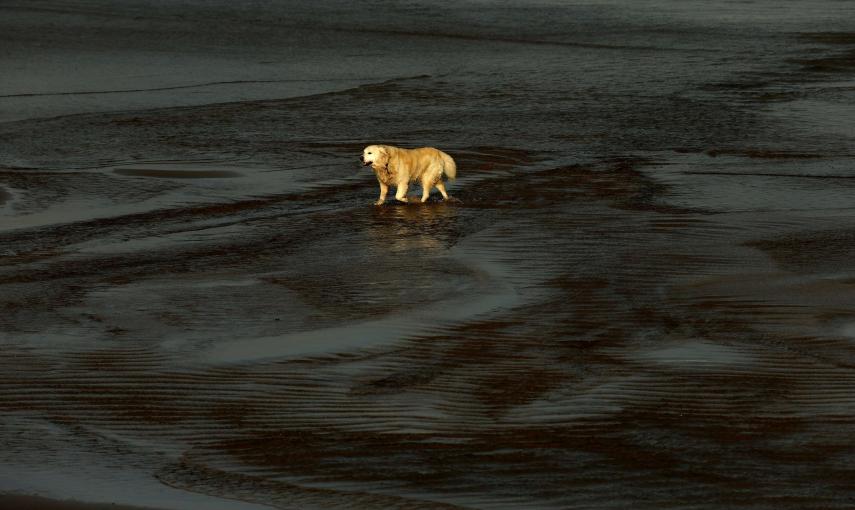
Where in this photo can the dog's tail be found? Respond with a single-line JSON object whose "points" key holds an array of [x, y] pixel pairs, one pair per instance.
{"points": [[449, 167]]}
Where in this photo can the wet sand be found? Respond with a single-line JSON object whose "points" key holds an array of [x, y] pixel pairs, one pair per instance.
{"points": [[643, 298], [22, 502]]}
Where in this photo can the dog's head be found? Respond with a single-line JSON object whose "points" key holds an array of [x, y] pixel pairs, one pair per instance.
{"points": [[375, 155]]}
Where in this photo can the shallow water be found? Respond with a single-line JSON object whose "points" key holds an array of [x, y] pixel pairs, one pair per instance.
{"points": [[643, 298]]}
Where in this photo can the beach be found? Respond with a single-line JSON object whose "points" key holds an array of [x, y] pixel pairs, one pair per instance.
{"points": [[643, 296]]}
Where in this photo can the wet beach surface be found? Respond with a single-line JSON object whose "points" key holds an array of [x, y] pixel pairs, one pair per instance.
{"points": [[644, 298]]}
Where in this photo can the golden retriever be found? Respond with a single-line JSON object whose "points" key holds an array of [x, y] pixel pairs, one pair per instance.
{"points": [[399, 167]]}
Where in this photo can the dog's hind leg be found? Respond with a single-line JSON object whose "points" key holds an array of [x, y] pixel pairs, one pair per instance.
{"points": [[441, 187], [426, 186], [401, 193]]}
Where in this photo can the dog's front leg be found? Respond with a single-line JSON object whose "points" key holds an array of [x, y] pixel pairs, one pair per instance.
{"points": [[383, 190], [401, 194]]}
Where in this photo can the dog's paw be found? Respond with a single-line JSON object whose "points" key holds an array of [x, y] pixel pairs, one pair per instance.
{"points": [[379, 202], [403, 199]]}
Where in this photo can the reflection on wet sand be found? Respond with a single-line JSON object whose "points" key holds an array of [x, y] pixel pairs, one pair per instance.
{"points": [[410, 228]]}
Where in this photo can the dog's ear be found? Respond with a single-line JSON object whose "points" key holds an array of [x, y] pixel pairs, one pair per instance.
{"points": [[383, 156]]}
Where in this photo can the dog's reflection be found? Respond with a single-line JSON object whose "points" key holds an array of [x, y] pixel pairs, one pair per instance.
{"points": [[429, 227]]}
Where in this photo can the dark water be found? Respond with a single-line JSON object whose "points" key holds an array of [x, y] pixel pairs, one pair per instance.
{"points": [[644, 299]]}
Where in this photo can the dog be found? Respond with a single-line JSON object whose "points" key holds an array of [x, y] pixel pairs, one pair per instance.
{"points": [[399, 167]]}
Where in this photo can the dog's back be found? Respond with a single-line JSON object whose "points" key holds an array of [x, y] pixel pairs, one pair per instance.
{"points": [[431, 161]]}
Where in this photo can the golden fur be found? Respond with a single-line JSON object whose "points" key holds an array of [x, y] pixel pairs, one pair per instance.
{"points": [[398, 167]]}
